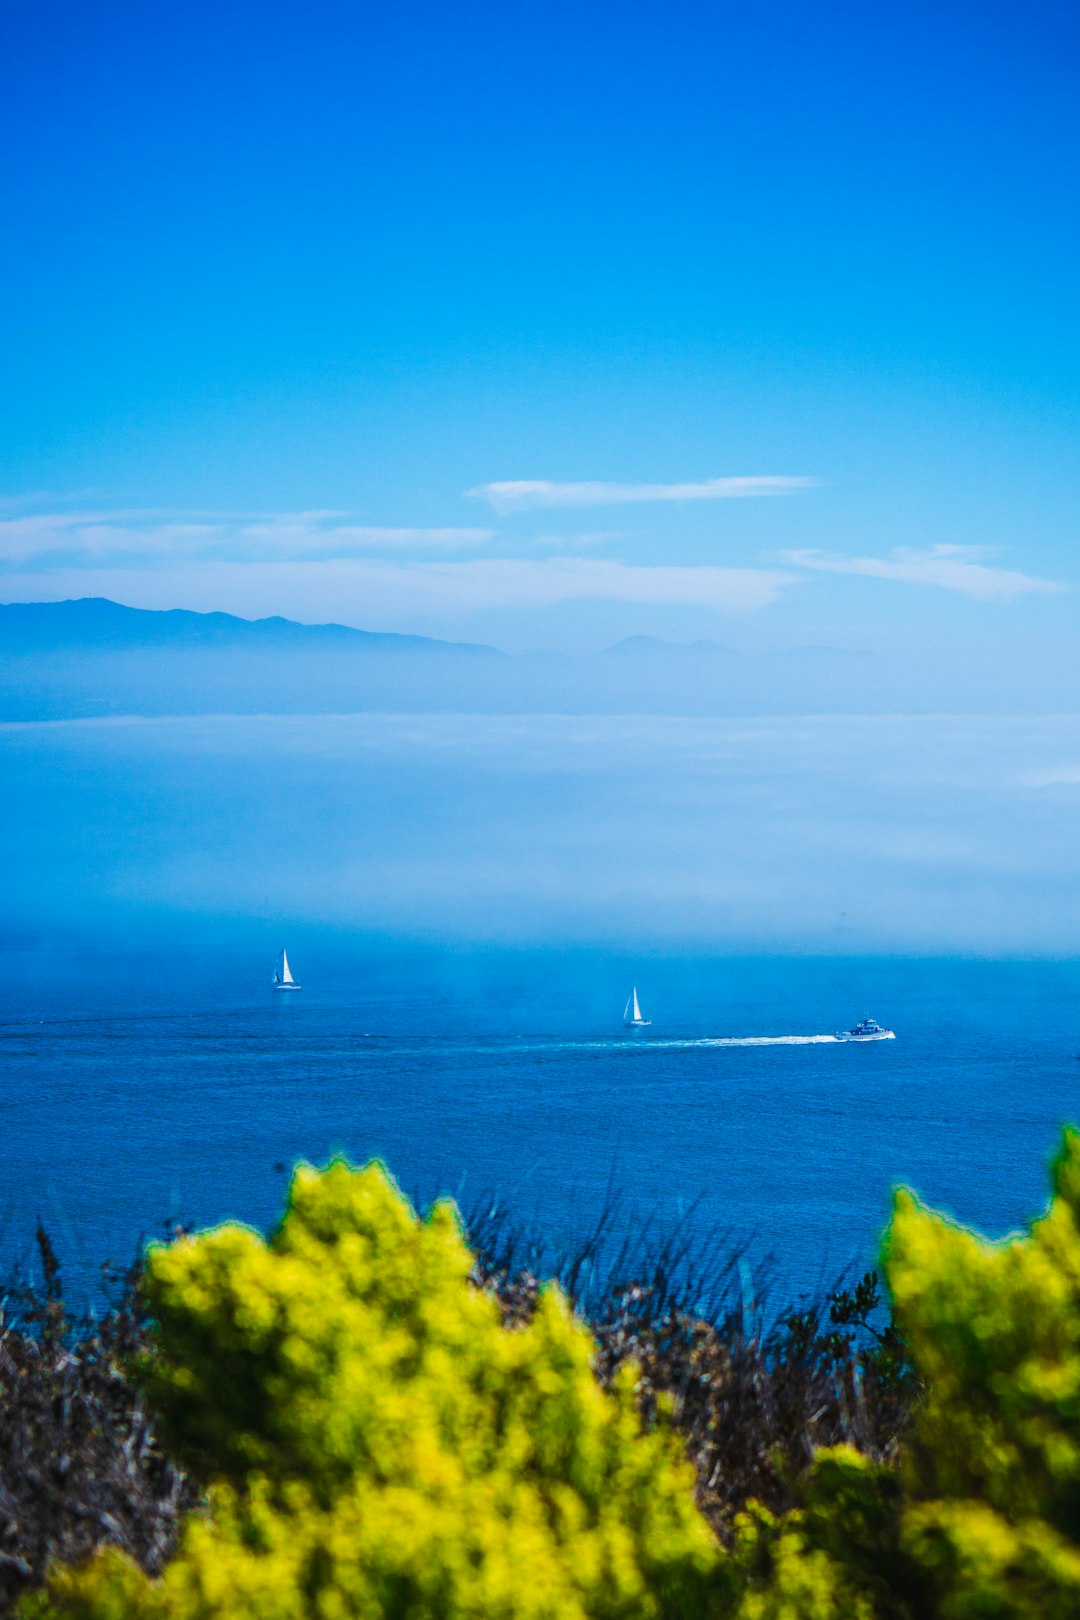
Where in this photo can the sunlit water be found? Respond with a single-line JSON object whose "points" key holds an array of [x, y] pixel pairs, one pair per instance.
{"points": [[142, 1085]]}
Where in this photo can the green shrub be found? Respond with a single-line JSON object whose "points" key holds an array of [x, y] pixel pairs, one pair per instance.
{"points": [[378, 1444], [983, 1520]]}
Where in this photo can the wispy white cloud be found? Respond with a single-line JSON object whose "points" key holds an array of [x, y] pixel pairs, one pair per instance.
{"points": [[380, 592], [334, 537], [1054, 777], [103, 536], [571, 542], [952, 568], [532, 494]]}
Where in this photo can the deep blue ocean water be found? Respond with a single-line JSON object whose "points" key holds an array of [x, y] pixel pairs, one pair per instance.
{"points": [[142, 1085]]}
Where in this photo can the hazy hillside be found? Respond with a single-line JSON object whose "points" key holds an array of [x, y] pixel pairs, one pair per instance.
{"points": [[94, 624], [62, 660], [95, 657]]}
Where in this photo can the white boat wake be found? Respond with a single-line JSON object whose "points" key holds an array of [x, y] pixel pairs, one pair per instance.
{"points": [[756, 1040], [672, 1044]]}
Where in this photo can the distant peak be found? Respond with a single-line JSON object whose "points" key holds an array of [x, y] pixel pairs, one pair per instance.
{"points": [[653, 645]]}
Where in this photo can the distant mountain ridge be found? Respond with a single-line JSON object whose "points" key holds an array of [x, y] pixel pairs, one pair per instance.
{"points": [[92, 658], [89, 622]]}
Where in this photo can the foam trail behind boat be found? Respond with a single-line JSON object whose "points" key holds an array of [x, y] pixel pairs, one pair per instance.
{"points": [[632, 1046], [672, 1044], [637, 1045], [759, 1040]]}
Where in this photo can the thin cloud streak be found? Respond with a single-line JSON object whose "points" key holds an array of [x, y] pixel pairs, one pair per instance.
{"points": [[100, 537], [951, 568], [372, 591], [591, 537], [533, 494]]}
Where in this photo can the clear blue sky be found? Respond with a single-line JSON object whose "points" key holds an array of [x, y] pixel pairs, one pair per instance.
{"points": [[264, 262]]}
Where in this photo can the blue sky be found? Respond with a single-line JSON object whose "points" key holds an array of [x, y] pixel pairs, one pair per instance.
{"points": [[547, 324]]}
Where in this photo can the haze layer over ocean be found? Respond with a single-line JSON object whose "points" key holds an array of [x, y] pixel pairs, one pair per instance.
{"points": [[923, 833]]}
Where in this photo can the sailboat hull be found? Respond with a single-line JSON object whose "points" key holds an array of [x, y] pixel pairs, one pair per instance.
{"points": [[284, 987]]}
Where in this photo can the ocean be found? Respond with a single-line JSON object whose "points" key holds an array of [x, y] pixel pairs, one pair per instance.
{"points": [[146, 1084]]}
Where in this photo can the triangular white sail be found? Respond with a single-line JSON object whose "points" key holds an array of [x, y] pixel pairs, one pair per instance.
{"points": [[283, 978], [632, 1010]]}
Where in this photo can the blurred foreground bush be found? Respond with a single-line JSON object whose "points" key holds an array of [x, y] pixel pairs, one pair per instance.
{"points": [[753, 1398], [380, 1444], [982, 1519]]}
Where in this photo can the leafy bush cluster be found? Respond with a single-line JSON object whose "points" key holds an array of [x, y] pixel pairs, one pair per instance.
{"points": [[752, 1406], [981, 1520], [382, 1437], [380, 1444], [82, 1463]]}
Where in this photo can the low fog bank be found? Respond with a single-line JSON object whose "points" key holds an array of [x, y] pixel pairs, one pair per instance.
{"points": [[96, 658], [826, 834], [659, 680]]}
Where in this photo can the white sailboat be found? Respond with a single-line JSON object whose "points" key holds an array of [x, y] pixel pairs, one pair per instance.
{"points": [[283, 979], [632, 1013]]}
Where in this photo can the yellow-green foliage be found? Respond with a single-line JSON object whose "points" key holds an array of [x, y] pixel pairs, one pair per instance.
{"points": [[994, 1470], [982, 1522], [381, 1446]]}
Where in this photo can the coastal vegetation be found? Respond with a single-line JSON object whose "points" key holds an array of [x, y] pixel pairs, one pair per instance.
{"points": [[375, 1414]]}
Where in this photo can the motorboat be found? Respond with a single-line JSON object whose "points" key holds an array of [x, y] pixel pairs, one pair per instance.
{"points": [[867, 1029]]}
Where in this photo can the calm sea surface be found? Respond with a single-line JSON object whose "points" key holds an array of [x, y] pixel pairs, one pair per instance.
{"points": [[142, 1085]]}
